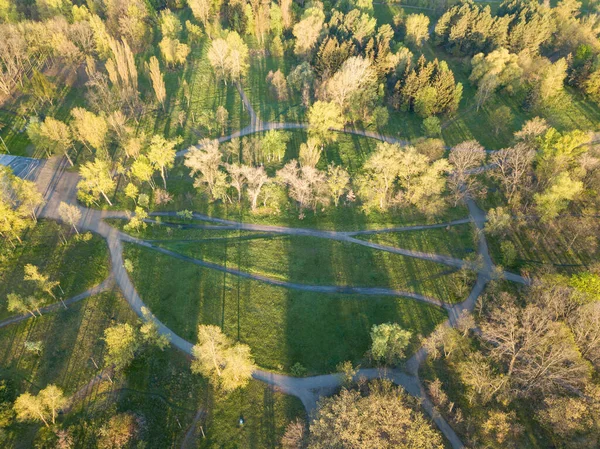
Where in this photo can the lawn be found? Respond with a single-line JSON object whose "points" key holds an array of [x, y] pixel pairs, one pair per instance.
{"points": [[457, 241], [315, 261], [283, 327], [80, 263], [265, 104]]}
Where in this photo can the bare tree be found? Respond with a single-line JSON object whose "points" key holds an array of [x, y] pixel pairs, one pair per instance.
{"points": [[465, 158], [513, 168]]}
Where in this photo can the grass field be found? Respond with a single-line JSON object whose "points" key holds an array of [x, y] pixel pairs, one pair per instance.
{"points": [[79, 264], [457, 241], [282, 326], [325, 262]]}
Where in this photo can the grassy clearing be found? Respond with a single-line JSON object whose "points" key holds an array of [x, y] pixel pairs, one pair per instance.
{"points": [[266, 105], [326, 262], [78, 264], [283, 327], [457, 241]]}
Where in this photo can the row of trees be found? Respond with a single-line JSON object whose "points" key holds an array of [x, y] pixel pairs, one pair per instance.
{"points": [[391, 176]]}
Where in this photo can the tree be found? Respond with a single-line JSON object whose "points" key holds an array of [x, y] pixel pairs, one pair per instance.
{"points": [[278, 85], [354, 75], [236, 178], [256, 178], [388, 342], [513, 168], [204, 162], [496, 69], [122, 342], [89, 128], [28, 196], [417, 29], [218, 54], [306, 185], [465, 158], [295, 436], [310, 153], [273, 145], [161, 154], [157, 80], [16, 303], [237, 57], [537, 353], [51, 135], [42, 282], [44, 406], [70, 214], [119, 432], [170, 26], [432, 127], [557, 196], [96, 180], [201, 10], [385, 417], [173, 51], [501, 118], [41, 87], [222, 118], [550, 82], [338, 181], [228, 365], [324, 117], [393, 175], [229, 57], [308, 30]]}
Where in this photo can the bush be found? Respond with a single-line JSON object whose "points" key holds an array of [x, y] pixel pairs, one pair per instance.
{"points": [[432, 127], [298, 370], [509, 253]]}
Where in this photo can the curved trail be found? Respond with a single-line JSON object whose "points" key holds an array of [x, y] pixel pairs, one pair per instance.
{"points": [[59, 185]]}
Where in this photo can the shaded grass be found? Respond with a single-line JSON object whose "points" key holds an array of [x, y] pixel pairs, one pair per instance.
{"points": [[540, 245], [206, 94], [281, 326], [457, 241], [317, 261], [266, 105], [78, 264]]}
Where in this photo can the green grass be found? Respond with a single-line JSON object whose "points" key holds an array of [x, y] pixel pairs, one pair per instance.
{"points": [[538, 246], [79, 264], [457, 241], [207, 94], [282, 326], [266, 105], [317, 261]]}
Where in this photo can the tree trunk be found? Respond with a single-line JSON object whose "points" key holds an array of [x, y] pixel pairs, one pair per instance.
{"points": [[106, 198]]}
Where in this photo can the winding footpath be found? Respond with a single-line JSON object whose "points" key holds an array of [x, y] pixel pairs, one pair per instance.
{"points": [[58, 185]]}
